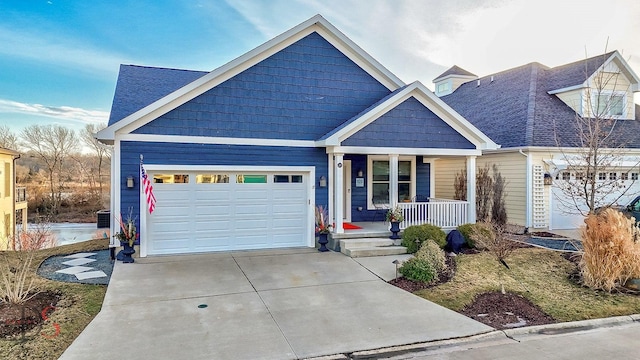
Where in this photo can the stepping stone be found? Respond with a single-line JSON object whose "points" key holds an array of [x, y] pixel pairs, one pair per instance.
{"points": [[79, 255], [91, 275], [74, 270], [79, 261]]}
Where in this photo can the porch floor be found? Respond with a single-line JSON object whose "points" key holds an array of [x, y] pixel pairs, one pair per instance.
{"points": [[369, 228]]}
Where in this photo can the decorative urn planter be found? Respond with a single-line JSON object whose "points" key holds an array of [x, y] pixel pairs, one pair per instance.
{"points": [[323, 241], [126, 252], [395, 229]]}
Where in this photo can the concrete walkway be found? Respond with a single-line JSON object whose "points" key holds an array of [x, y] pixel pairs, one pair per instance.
{"points": [[286, 304]]}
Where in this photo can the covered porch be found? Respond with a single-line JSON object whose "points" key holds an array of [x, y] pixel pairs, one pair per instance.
{"points": [[386, 157], [365, 187]]}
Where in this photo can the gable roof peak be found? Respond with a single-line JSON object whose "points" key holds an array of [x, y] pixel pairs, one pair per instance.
{"points": [[455, 70]]}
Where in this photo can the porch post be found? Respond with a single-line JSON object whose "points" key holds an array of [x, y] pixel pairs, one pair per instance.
{"points": [[471, 189], [393, 181], [331, 194], [339, 193]]}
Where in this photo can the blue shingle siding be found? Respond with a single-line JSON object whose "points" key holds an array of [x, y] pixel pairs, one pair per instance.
{"points": [[302, 92], [423, 178], [207, 154], [409, 125]]}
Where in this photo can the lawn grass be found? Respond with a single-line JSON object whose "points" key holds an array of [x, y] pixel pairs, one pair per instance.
{"points": [[541, 276], [78, 305]]}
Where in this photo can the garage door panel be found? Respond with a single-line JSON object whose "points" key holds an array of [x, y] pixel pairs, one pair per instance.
{"points": [[250, 241], [213, 225], [251, 209], [228, 216], [242, 194]]}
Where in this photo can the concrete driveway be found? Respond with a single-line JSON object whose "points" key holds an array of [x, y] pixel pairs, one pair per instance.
{"points": [[286, 304]]}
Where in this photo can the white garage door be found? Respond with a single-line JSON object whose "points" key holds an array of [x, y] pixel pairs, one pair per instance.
{"points": [[564, 213], [215, 211]]}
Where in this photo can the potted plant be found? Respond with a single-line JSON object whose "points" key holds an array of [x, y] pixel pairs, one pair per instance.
{"points": [[127, 236], [322, 228], [395, 217]]}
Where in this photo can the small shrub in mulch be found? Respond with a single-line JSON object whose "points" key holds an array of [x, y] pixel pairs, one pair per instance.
{"points": [[21, 322], [442, 277]]}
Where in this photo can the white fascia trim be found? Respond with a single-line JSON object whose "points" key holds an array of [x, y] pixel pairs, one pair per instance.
{"points": [[315, 24], [431, 102], [551, 149], [569, 88], [450, 76], [402, 151], [216, 140]]}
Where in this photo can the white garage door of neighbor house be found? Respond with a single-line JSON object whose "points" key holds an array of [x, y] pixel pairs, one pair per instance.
{"points": [[215, 211], [564, 214]]}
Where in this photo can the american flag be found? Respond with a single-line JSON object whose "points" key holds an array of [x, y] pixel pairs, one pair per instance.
{"points": [[148, 189]]}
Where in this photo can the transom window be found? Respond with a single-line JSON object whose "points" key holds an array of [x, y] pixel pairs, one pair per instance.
{"points": [[171, 178], [380, 179], [251, 179], [212, 179]]}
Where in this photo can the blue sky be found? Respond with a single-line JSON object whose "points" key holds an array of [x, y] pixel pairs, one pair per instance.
{"points": [[59, 59]]}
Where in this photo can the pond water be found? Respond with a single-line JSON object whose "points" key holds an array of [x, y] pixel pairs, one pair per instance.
{"points": [[71, 233]]}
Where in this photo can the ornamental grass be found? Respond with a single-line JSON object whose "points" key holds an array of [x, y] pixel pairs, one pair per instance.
{"points": [[611, 250]]}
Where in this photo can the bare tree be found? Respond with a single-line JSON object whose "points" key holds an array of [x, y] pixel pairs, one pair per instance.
{"points": [[594, 153], [8, 139], [100, 150], [484, 189], [52, 144]]}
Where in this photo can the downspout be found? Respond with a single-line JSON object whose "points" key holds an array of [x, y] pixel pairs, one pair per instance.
{"points": [[529, 187], [13, 225]]}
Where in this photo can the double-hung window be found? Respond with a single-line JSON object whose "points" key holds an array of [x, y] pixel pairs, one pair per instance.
{"points": [[380, 180]]}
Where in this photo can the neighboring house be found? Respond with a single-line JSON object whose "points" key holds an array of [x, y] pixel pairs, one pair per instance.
{"points": [[13, 200], [240, 156], [531, 112]]}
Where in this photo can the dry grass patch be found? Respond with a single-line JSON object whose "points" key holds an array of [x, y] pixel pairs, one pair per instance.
{"points": [[78, 305], [541, 276]]}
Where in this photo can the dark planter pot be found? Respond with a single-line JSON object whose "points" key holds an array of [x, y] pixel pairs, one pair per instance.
{"points": [[395, 229], [126, 252], [322, 240]]}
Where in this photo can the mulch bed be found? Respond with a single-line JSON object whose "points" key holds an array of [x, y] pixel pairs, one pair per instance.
{"points": [[25, 321], [493, 308], [504, 311]]}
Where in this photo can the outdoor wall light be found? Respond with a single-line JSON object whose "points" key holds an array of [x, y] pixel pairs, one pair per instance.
{"points": [[548, 180], [130, 182], [360, 173], [323, 181]]}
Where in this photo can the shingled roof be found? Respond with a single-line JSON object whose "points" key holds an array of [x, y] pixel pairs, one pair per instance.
{"points": [[139, 86], [514, 107]]}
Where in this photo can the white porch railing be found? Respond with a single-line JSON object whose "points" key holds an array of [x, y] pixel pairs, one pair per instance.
{"points": [[443, 213]]}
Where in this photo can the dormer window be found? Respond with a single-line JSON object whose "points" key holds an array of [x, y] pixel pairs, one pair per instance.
{"points": [[444, 87], [609, 104]]}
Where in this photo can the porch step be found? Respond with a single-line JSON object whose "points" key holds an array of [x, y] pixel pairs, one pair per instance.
{"points": [[375, 251], [371, 246], [364, 242]]}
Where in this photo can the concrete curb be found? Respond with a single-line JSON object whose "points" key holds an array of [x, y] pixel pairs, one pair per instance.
{"points": [[496, 336], [560, 328], [431, 345]]}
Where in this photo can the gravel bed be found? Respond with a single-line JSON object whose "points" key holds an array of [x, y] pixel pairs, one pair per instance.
{"points": [[555, 244], [103, 262]]}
